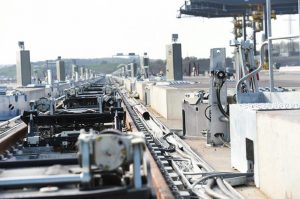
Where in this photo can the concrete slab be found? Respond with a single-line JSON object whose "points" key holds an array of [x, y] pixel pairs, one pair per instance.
{"points": [[217, 157], [172, 124]]}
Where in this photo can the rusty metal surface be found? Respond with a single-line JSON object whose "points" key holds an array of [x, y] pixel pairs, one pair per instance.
{"points": [[160, 186]]}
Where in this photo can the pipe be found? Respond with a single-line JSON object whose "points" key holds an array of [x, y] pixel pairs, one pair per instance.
{"points": [[284, 37], [244, 28], [209, 191], [224, 189], [187, 183], [60, 98], [39, 180], [224, 175], [9, 121], [137, 180], [253, 73], [142, 111], [229, 187]]}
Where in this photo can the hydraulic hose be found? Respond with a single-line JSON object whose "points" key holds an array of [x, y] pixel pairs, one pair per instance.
{"points": [[218, 93], [208, 189]]}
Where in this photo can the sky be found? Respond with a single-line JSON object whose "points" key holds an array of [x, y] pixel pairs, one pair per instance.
{"points": [[102, 28]]}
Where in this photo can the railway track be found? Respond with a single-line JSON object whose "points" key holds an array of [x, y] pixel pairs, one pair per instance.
{"points": [[13, 131], [7, 126], [187, 175]]}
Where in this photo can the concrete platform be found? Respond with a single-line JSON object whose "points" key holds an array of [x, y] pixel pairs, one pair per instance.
{"points": [[278, 154], [219, 159]]}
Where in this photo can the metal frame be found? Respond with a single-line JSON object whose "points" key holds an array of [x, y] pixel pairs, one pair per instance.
{"points": [[232, 8]]}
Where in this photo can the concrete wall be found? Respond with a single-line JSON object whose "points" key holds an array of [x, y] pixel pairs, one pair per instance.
{"points": [[167, 101], [129, 85], [20, 102], [140, 89], [278, 154], [158, 100], [11, 106], [242, 125], [273, 128], [33, 93]]}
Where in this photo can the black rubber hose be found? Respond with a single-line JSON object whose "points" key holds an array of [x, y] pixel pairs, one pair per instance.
{"points": [[205, 113], [218, 91], [171, 147], [224, 175]]}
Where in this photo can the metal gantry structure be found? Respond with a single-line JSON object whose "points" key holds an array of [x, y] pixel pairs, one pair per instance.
{"points": [[232, 8]]}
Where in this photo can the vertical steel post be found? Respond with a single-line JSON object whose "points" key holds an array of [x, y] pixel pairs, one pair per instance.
{"points": [[254, 38], [299, 22], [268, 9], [137, 166], [244, 27]]}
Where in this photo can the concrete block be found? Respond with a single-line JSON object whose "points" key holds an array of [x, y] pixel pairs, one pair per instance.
{"points": [[140, 89], [167, 100], [278, 153], [263, 139], [270, 97], [129, 85], [158, 99]]}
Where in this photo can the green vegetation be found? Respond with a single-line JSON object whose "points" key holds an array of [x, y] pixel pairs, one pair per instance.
{"points": [[8, 71], [104, 67], [108, 65]]}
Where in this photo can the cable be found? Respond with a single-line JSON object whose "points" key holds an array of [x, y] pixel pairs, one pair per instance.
{"points": [[209, 190], [205, 113], [224, 142], [211, 181], [224, 189], [222, 175], [171, 147], [218, 91]]}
